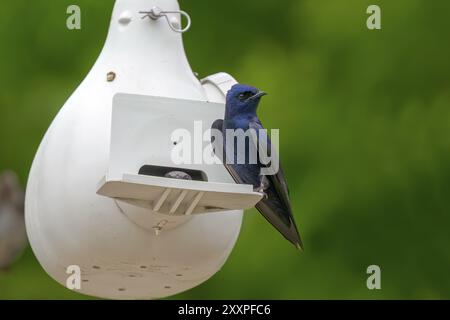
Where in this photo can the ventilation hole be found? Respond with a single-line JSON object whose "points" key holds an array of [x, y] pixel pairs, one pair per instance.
{"points": [[132, 276], [85, 280], [95, 267], [167, 287], [143, 267], [179, 275], [121, 289]]}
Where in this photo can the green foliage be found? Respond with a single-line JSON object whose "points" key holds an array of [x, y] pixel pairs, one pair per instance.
{"points": [[365, 134]]}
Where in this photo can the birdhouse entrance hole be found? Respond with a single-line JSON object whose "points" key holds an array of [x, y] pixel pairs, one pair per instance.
{"points": [[159, 171]]}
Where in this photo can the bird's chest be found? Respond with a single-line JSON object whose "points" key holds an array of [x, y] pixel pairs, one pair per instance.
{"points": [[239, 123]]}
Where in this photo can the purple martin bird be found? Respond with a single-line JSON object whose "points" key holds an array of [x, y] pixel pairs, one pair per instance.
{"points": [[240, 113]]}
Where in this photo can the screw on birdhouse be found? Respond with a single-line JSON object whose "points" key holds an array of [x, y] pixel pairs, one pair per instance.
{"points": [[111, 76], [158, 228], [125, 18]]}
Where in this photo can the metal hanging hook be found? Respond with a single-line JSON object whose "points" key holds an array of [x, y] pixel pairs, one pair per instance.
{"points": [[156, 13]]}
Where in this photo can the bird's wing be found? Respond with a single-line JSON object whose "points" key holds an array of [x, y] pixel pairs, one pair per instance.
{"points": [[219, 150], [277, 207], [278, 179]]}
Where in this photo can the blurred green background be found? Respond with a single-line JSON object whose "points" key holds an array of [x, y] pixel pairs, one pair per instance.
{"points": [[364, 118]]}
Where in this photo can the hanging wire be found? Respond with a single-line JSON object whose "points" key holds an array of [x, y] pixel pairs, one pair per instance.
{"points": [[156, 13]]}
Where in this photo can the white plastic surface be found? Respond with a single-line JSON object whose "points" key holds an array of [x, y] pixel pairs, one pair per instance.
{"points": [[113, 242]]}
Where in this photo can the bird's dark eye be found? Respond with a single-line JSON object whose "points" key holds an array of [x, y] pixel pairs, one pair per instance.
{"points": [[245, 95]]}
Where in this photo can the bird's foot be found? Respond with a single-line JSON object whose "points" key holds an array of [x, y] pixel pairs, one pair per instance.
{"points": [[264, 185], [261, 189]]}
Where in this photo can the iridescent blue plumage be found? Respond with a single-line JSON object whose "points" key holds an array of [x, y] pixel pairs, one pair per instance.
{"points": [[240, 113]]}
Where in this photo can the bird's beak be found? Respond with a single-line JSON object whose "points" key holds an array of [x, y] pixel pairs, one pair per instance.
{"points": [[258, 95]]}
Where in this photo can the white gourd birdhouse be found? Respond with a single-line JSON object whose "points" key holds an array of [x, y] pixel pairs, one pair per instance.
{"points": [[98, 195]]}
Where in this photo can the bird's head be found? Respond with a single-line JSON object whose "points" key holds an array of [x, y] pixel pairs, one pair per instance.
{"points": [[242, 99]]}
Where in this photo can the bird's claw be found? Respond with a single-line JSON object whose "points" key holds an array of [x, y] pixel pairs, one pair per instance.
{"points": [[262, 191], [264, 185]]}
